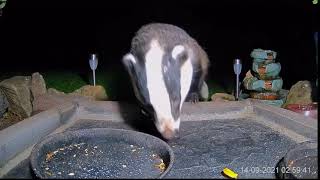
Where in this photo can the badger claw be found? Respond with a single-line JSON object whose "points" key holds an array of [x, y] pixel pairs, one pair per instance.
{"points": [[194, 98]]}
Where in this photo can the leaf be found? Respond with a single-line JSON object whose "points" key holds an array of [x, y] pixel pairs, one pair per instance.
{"points": [[2, 3]]}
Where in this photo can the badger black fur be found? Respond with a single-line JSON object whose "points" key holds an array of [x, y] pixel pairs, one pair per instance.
{"points": [[166, 67]]}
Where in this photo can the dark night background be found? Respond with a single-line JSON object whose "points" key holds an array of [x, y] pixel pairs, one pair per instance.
{"points": [[47, 35]]}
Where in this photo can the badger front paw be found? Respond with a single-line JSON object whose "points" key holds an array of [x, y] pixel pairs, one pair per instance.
{"points": [[194, 98]]}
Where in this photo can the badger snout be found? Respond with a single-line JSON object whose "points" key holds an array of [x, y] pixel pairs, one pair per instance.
{"points": [[168, 133], [169, 128]]}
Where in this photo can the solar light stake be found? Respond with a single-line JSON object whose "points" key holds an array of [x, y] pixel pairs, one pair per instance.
{"points": [[237, 70], [93, 65]]}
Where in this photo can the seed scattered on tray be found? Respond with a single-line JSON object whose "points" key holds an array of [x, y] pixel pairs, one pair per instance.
{"points": [[156, 163], [161, 166], [49, 156], [153, 155], [76, 145], [49, 173]]}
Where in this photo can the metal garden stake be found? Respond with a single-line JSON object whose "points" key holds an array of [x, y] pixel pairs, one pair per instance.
{"points": [[93, 65], [237, 70]]}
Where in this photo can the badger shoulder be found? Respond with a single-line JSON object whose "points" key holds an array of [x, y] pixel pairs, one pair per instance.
{"points": [[201, 58]]}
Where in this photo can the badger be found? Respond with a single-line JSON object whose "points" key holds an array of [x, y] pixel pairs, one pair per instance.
{"points": [[166, 67]]}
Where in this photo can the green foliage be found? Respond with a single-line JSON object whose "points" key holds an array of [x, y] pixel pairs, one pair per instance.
{"points": [[69, 81], [2, 3], [214, 87], [63, 81]]}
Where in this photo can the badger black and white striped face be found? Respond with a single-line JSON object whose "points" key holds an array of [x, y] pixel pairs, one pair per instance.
{"points": [[161, 81]]}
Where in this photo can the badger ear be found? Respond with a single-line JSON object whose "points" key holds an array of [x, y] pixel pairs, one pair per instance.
{"points": [[129, 60], [179, 53]]}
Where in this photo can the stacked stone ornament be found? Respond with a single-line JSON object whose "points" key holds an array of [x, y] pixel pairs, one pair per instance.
{"points": [[264, 83]]}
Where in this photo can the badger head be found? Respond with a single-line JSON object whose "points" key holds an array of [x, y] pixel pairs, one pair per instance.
{"points": [[161, 80]]}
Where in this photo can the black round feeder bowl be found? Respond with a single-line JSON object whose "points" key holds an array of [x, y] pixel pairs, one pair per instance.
{"points": [[101, 153], [300, 162]]}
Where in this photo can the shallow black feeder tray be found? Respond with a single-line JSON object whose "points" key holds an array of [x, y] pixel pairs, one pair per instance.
{"points": [[101, 153]]}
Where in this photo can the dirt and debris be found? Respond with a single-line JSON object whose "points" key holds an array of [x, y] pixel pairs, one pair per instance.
{"points": [[9, 119]]}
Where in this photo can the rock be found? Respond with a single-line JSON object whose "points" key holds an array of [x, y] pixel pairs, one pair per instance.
{"points": [[3, 103], [98, 92], [38, 85], [204, 93], [53, 91], [299, 93], [222, 97], [17, 91]]}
